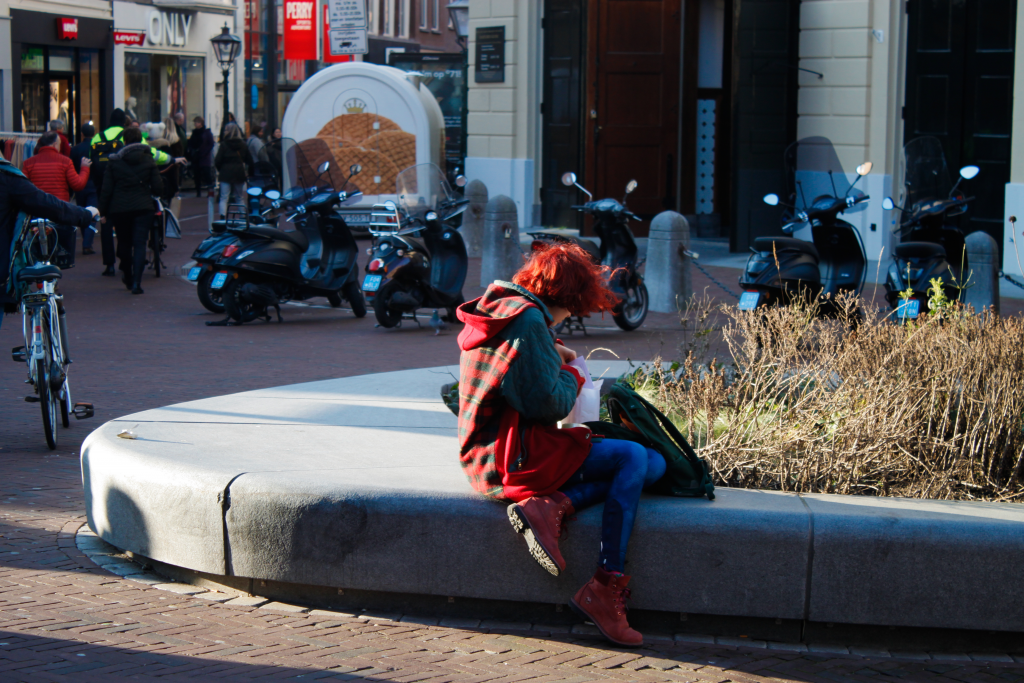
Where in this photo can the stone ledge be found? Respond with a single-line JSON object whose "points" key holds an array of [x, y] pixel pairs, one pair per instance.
{"points": [[355, 484]]}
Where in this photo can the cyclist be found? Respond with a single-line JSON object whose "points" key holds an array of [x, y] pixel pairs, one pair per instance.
{"points": [[18, 194]]}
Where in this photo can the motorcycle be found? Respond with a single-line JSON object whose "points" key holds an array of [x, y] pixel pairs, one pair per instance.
{"points": [[828, 259], [417, 259], [618, 251], [271, 266], [930, 246]]}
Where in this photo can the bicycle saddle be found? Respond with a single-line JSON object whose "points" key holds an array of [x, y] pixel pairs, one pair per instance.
{"points": [[40, 271]]}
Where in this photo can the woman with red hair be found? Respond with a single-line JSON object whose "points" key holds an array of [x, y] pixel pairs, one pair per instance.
{"points": [[515, 386]]}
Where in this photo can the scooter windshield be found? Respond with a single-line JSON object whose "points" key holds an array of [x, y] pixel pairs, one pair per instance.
{"points": [[302, 163], [925, 175], [813, 171], [421, 189]]}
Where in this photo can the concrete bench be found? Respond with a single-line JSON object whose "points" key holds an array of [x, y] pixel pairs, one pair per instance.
{"points": [[355, 483]]}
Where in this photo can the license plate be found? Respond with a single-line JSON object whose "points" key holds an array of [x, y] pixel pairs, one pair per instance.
{"points": [[910, 308], [193, 273], [748, 300], [218, 280], [357, 218], [372, 283]]}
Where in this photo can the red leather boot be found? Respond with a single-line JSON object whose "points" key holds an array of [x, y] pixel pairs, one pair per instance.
{"points": [[541, 519], [602, 600]]}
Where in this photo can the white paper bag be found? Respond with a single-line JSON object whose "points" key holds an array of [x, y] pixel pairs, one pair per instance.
{"points": [[588, 402]]}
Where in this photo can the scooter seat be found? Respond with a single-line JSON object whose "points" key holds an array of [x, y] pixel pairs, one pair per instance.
{"points": [[297, 238], [920, 250], [781, 244]]}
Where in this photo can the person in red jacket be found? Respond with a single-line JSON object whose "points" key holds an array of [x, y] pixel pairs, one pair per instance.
{"points": [[57, 126], [55, 174], [515, 384]]}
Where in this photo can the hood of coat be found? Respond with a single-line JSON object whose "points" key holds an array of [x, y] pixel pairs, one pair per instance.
{"points": [[487, 316], [133, 154]]}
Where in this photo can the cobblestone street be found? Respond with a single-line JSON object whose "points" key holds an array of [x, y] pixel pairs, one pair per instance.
{"points": [[64, 618]]}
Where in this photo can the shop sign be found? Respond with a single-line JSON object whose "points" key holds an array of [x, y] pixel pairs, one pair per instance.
{"points": [[133, 38], [67, 28], [169, 29], [328, 57], [300, 29]]}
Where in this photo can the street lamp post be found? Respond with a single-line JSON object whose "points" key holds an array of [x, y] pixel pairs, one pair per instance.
{"points": [[226, 48], [458, 10]]}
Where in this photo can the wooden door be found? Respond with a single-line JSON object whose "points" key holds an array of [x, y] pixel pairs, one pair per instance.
{"points": [[562, 111], [960, 90], [632, 110]]}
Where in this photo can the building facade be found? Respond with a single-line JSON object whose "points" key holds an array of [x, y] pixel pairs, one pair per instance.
{"points": [[79, 61], [699, 100]]}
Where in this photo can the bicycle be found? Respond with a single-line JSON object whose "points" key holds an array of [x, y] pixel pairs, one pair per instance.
{"points": [[164, 221], [44, 328]]}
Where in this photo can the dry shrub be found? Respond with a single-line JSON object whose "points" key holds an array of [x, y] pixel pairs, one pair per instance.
{"points": [[853, 404]]}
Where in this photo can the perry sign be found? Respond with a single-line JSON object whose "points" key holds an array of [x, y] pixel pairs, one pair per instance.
{"points": [[300, 29]]}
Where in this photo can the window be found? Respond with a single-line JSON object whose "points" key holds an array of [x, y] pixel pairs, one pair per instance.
{"points": [[402, 18], [373, 15], [159, 85], [435, 25], [424, 11]]}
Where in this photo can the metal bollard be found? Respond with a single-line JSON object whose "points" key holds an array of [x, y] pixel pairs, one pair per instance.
{"points": [[473, 219], [983, 266], [501, 254], [668, 269]]}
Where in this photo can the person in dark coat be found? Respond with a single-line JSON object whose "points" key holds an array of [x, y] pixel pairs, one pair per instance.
{"points": [[18, 194], [126, 199], [89, 195], [200, 154], [233, 163]]}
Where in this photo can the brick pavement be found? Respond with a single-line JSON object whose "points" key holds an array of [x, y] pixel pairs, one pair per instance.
{"points": [[63, 618]]}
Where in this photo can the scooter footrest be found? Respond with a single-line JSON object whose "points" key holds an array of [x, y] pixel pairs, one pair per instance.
{"points": [[18, 354], [82, 411]]}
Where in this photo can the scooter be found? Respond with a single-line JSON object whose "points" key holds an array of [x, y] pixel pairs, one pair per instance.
{"points": [[418, 260], [271, 266], [781, 270], [618, 251], [931, 249]]}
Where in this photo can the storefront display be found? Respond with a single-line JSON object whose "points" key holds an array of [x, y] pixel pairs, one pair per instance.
{"points": [[59, 71]]}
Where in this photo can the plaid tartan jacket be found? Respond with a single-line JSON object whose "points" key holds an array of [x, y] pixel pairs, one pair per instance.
{"points": [[489, 426]]}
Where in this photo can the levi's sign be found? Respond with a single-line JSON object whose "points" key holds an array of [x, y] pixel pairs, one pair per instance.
{"points": [[135, 38], [67, 28]]}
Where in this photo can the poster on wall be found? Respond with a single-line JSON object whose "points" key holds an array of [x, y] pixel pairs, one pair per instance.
{"points": [[445, 77], [300, 29]]}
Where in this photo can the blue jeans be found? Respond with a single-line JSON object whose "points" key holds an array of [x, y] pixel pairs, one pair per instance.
{"points": [[615, 472]]}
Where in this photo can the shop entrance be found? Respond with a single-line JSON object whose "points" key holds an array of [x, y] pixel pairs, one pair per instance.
{"points": [[59, 84], [960, 90]]}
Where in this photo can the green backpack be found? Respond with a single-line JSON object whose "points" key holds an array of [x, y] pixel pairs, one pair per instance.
{"points": [[687, 475]]}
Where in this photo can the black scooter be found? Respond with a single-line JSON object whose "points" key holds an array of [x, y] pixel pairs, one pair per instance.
{"points": [[781, 270], [930, 248], [418, 259], [618, 251], [271, 266]]}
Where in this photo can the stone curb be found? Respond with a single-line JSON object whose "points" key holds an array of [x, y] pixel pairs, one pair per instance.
{"points": [[114, 561]]}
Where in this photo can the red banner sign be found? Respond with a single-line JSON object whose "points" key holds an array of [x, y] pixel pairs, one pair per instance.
{"points": [[133, 38], [300, 29], [328, 57], [67, 28], [252, 27]]}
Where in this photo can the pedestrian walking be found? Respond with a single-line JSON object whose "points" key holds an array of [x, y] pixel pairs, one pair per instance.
{"points": [[255, 144], [232, 166], [57, 126], [200, 154], [126, 201], [18, 194], [515, 386], [55, 174], [88, 196]]}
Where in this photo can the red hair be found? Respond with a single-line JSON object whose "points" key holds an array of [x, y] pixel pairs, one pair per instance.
{"points": [[565, 276]]}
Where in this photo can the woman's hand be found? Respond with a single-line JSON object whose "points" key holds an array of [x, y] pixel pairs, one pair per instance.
{"points": [[567, 354]]}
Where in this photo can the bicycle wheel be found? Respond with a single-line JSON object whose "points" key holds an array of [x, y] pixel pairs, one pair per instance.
{"points": [[155, 245], [47, 402], [65, 404]]}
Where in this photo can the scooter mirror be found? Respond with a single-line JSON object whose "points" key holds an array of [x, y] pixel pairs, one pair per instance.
{"points": [[771, 199], [968, 172], [354, 169], [568, 178], [460, 181], [323, 167], [630, 186], [864, 168], [273, 195], [254, 192], [888, 204], [390, 205]]}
